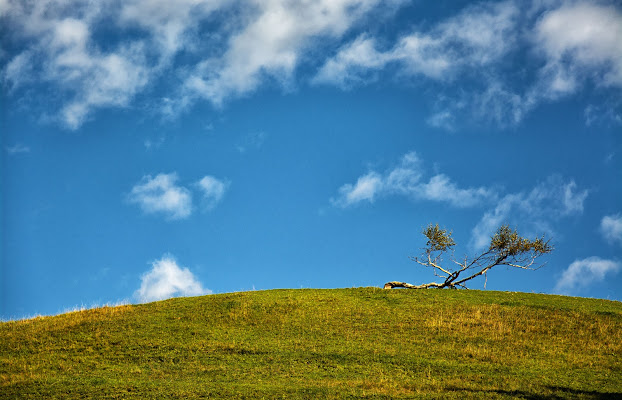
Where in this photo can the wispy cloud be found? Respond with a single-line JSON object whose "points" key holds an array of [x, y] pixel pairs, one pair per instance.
{"points": [[272, 45], [536, 210], [212, 191], [63, 48], [233, 48], [151, 144], [252, 140], [161, 195], [585, 272], [366, 188], [475, 37], [17, 149], [443, 119], [167, 279], [611, 228], [607, 114], [255, 42], [353, 64], [62, 53], [441, 188], [571, 44], [406, 179], [171, 27]]}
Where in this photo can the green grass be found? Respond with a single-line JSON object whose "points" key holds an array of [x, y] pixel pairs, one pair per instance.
{"points": [[339, 343]]}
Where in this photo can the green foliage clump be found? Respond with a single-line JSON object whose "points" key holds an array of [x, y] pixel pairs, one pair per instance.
{"points": [[508, 242], [438, 239]]}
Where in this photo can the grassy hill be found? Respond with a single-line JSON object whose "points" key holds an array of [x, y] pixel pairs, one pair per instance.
{"points": [[340, 343]]}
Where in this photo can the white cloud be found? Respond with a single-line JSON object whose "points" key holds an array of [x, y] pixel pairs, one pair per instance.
{"points": [[272, 44], [471, 44], [586, 272], [102, 81], [248, 43], [161, 195], [400, 179], [490, 101], [555, 197], [232, 48], [18, 71], [611, 228], [576, 41], [167, 279], [441, 188], [475, 37], [4, 7], [547, 202], [212, 190], [580, 40], [572, 43], [366, 188], [352, 63], [62, 52], [491, 220], [405, 179], [573, 199], [499, 105], [442, 119], [170, 24]]}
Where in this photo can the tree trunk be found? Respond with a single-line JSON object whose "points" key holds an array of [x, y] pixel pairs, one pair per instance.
{"points": [[433, 285], [394, 284]]}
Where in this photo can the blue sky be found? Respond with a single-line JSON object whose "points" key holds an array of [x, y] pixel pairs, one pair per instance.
{"points": [[153, 149]]}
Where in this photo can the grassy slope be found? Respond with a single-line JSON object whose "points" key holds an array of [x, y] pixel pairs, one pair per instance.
{"points": [[356, 343]]}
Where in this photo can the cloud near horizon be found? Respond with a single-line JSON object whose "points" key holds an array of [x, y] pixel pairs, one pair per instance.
{"points": [[167, 279], [66, 45], [585, 272]]}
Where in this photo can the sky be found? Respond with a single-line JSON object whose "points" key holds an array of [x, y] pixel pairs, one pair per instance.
{"points": [[153, 149]]}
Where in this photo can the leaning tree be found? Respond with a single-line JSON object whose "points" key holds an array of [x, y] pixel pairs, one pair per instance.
{"points": [[507, 248]]}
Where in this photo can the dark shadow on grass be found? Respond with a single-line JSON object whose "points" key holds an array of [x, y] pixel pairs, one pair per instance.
{"points": [[559, 393]]}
